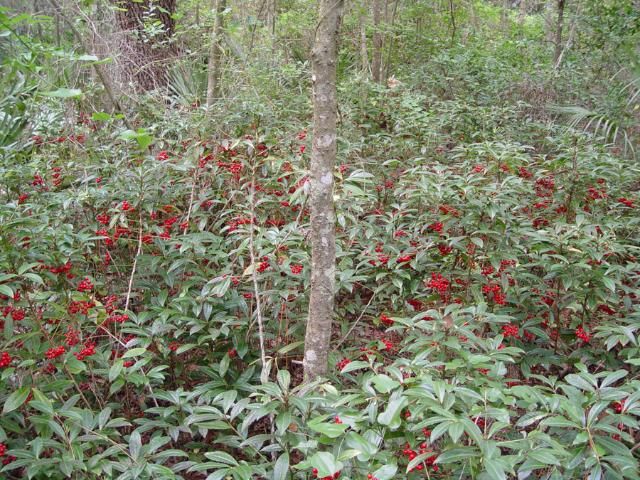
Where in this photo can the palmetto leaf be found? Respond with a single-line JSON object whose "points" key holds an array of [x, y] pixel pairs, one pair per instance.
{"points": [[599, 123]]}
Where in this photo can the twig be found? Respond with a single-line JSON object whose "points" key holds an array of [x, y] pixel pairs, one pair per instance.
{"points": [[193, 191], [356, 322], [254, 275], [569, 42], [106, 83], [135, 264]]}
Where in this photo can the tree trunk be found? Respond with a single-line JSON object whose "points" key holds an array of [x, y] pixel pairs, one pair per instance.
{"points": [[364, 53], [559, 26], [452, 16], [504, 14], [523, 11], [215, 54], [386, 66], [146, 55], [272, 17], [376, 61], [324, 57]]}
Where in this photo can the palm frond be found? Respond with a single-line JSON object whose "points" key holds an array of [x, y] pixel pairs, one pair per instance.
{"points": [[598, 123]]}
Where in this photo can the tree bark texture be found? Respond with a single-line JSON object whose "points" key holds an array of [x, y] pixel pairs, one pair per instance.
{"points": [[215, 54], [145, 57], [559, 27], [323, 156]]}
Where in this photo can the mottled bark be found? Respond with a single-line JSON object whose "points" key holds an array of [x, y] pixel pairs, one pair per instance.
{"points": [[323, 156], [559, 27], [215, 54]]}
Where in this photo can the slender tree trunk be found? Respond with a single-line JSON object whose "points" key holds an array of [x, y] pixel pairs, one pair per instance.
{"points": [[572, 31], [386, 66], [215, 54], [272, 17], [522, 14], [324, 57], [364, 53], [452, 15], [376, 61], [559, 27]]}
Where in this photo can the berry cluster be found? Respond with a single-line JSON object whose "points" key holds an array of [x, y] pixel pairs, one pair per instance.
{"points": [[510, 330], [5, 359], [436, 227], [494, 291], [328, 477], [88, 350], [80, 307], [429, 461], [85, 285], [55, 352], [342, 363], [386, 320], [582, 335], [626, 202], [439, 283]]}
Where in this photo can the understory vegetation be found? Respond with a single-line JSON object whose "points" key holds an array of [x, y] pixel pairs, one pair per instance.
{"points": [[154, 274]]}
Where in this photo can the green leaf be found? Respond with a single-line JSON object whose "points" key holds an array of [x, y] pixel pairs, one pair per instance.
{"points": [[221, 457], [530, 418], [290, 347], [559, 421], [284, 379], [331, 430], [75, 366], [100, 116], [386, 473], [281, 468], [357, 365], [6, 290], [358, 442], [609, 283], [219, 475], [116, 368], [579, 382], [472, 430], [224, 365], [391, 416], [544, 455], [456, 429], [384, 383], [326, 464], [63, 93], [494, 469], [135, 444], [613, 377], [283, 420], [134, 352], [457, 454], [16, 399]]}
